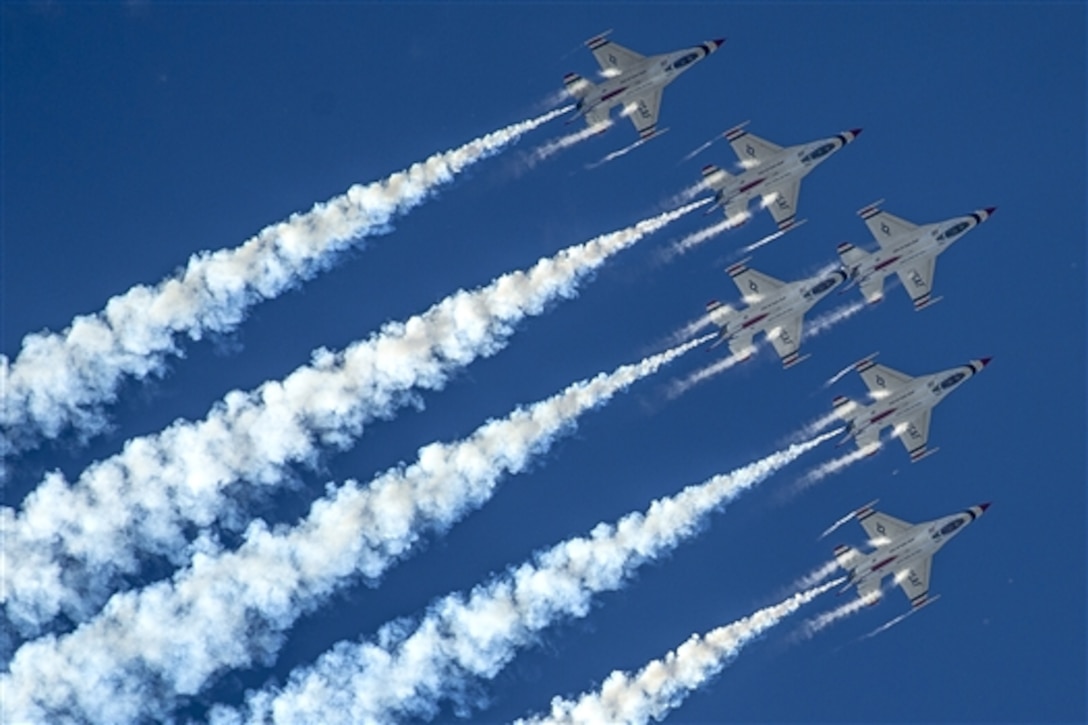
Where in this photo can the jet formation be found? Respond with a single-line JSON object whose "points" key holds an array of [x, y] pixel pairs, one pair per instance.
{"points": [[771, 175]]}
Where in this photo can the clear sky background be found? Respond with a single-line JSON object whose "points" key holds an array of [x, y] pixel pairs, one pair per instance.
{"points": [[135, 135]]}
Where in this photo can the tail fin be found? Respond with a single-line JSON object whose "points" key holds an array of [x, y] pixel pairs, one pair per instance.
{"points": [[847, 557], [851, 257], [713, 175], [872, 285], [719, 314], [577, 86], [847, 411]]}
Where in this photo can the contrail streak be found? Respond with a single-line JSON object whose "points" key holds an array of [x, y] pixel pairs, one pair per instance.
{"points": [[679, 387], [662, 685], [770, 238], [696, 238], [402, 674], [228, 609], [71, 542], [821, 621], [829, 468], [625, 150], [60, 380], [550, 148], [689, 156]]}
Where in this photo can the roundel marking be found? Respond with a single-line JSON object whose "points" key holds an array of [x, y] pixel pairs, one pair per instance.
{"points": [[751, 151], [884, 228], [880, 381], [880, 528], [753, 286]]}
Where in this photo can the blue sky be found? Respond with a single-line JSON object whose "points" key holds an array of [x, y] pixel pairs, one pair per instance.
{"points": [[136, 135]]}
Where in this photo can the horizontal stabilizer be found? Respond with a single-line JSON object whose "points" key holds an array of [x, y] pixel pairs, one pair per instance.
{"points": [[870, 209], [735, 132]]}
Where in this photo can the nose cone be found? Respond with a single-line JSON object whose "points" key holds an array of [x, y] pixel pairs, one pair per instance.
{"points": [[716, 43], [985, 361], [984, 506], [856, 132], [990, 210]]}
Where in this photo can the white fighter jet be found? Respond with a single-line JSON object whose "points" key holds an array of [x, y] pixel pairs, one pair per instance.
{"points": [[900, 401], [906, 249], [901, 549], [633, 81], [771, 172], [775, 307]]}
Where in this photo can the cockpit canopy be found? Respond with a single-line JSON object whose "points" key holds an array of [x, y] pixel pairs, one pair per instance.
{"points": [[951, 526], [823, 285], [955, 230], [685, 60], [818, 152], [952, 380]]}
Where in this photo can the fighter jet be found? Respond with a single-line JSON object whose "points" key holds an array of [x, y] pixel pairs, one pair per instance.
{"points": [[771, 172], [633, 81], [903, 550], [900, 401], [905, 249], [773, 306]]}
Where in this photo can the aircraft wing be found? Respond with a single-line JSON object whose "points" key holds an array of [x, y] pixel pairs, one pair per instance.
{"points": [[784, 207], [752, 149], [645, 114], [878, 525], [918, 280], [786, 338], [881, 378], [916, 433], [613, 56], [752, 283], [740, 343], [884, 226], [915, 581]]}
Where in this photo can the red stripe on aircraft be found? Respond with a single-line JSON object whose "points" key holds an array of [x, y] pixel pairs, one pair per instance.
{"points": [[882, 416], [887, 561], [754, 320], [885, 263], [614, 93], [751, 185]]}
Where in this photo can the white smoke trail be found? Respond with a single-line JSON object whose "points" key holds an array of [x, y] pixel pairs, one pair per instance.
{"points": [[685, 332], [826, 619], [829, 468], [554, 146], [891, 623], [696, 238], [679, 387], [61, 380], [815, 576], [828, 320], [66, 549], [689, 156], [625, 150], [402, 674], [770, 238], [662, 685], [838, 376], [228, 609]]}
